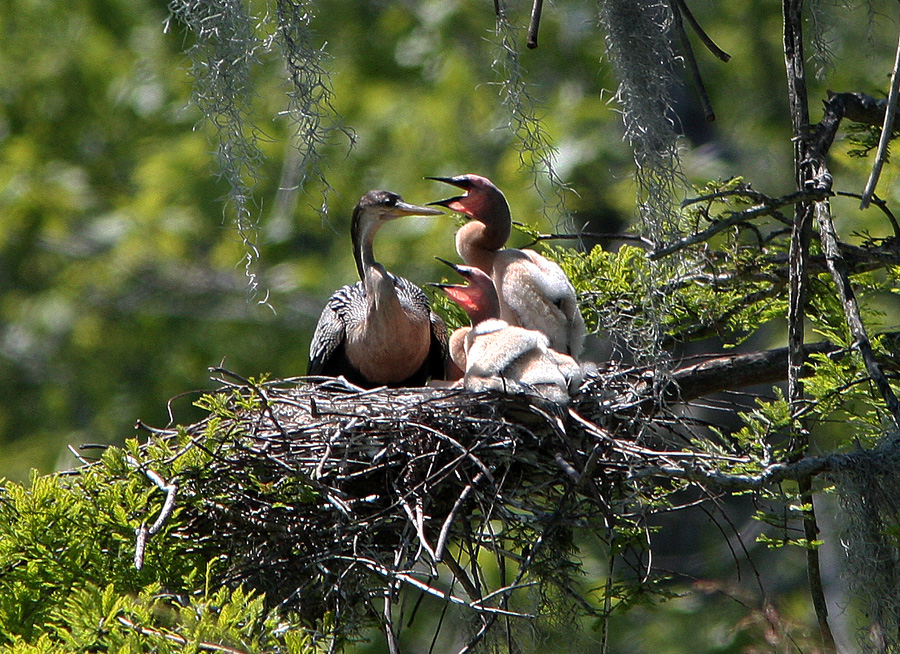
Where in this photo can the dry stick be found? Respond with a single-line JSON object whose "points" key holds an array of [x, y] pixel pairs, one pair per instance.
{"points": [[175, 638], [524, 567], [390, 636], [142, 533], [852, 106], [410, 580], [445, 528], [886, 130], [851, 309], [533, 26], [462, 577], [801, 235], [704, 37], [688, 51]]}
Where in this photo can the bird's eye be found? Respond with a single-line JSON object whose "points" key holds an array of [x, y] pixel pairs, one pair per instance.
{"points": [[391, 201]]}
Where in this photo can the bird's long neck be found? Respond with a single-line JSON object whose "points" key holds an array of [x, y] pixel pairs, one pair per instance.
{"points": [[362, 232], [380, 292], [477, 241]]}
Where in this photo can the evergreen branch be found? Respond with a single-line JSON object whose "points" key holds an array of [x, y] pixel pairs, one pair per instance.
{"points": [[600, 236], [180, 640], [768, 207], [847, 297]]}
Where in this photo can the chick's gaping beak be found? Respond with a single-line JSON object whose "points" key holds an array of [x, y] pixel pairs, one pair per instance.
{"points": [[457, 292], [461, 270], [463, 295], [448, 202], [460, 181]]}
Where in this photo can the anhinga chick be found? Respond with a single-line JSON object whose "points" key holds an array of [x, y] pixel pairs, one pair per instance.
{"points": [[496, 355], [534, 292]]}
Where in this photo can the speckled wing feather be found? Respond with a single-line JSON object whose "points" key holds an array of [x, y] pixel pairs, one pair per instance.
{"points": [[438, 354], [434, 366], [326, 351]]}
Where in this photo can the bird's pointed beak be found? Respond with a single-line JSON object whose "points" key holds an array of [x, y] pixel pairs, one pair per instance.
{"points": [[406, 209], [460, 181], [447, 202], [458, 269]]}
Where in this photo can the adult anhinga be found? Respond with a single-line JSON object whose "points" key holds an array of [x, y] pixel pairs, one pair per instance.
{"points": [[379, 331], [499, 356], [534, 292]]}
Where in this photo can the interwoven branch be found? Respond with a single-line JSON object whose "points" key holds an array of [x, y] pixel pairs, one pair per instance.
{"points": [[329, 498]]}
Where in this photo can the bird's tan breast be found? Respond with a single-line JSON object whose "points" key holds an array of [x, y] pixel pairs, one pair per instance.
{"points": [[390, 346]]}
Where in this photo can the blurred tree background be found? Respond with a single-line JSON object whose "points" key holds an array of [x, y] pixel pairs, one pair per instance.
{"points": [[122, 275]]}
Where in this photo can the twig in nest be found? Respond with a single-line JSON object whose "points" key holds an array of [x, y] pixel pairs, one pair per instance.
{"points": [[78, 456], [462, 577], [407, 578], [451, 516], [259, 391]]}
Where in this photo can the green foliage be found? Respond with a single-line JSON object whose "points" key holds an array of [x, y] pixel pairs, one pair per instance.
{"points": [[120, 282], [69, 583], [864, 139], [613, 289]]}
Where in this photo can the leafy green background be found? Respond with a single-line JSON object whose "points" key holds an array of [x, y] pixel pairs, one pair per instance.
{"points": [[120, 269]]}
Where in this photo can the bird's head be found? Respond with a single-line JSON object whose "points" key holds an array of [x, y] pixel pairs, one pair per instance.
{"points": [[481, 200], [382, 206], [478, 298], [373, 210]]}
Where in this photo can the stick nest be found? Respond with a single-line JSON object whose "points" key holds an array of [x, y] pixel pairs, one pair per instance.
{"points": [[332, 500]]}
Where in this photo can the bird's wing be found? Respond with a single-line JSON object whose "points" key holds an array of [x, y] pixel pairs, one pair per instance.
{"points": [[328, 339], [438, 361], [414, 300], [539, 296]]}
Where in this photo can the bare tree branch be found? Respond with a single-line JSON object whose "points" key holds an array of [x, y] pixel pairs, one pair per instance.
{"points": [[886, 131], [806, 169]]}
